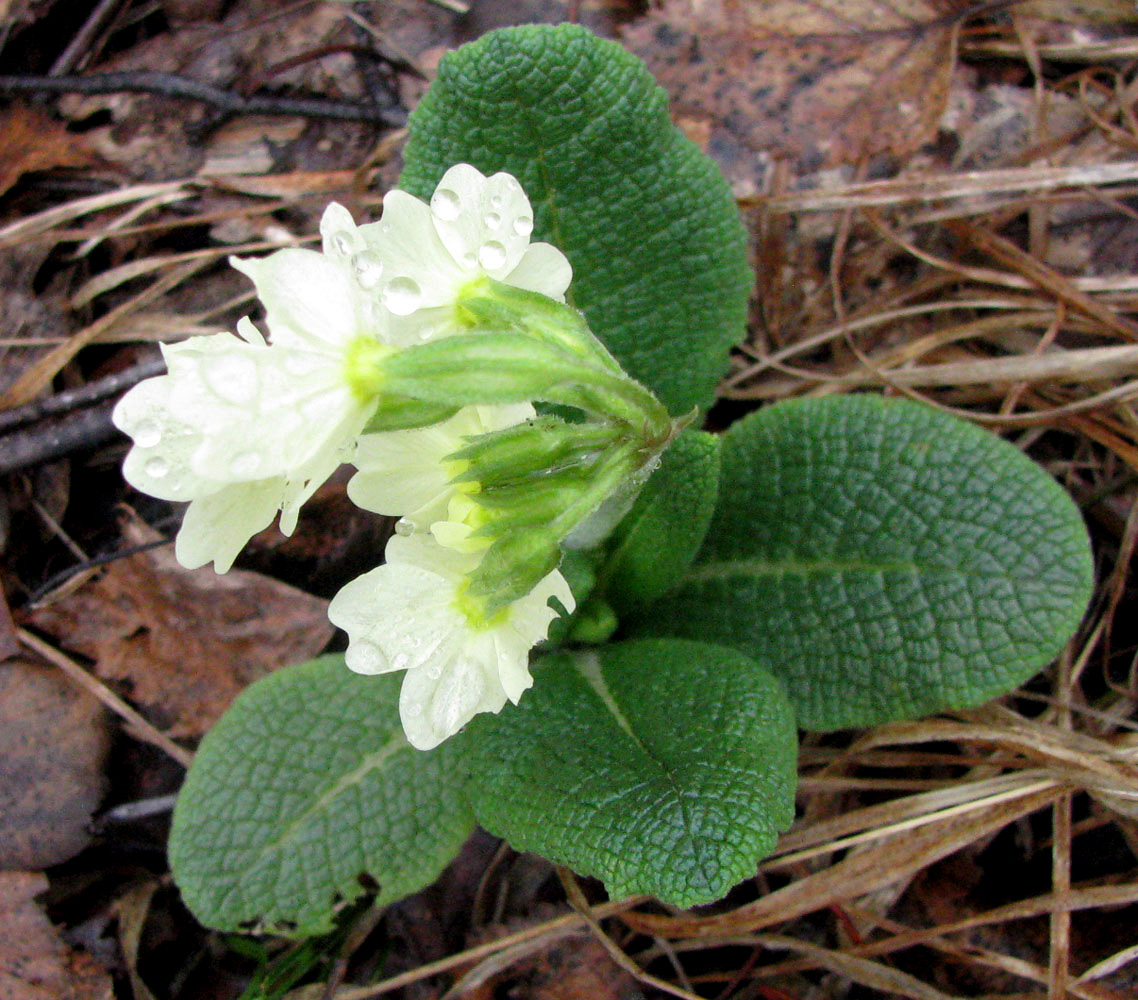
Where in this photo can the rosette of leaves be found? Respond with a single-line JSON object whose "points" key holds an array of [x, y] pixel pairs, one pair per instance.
{"points": [[828, 562]]}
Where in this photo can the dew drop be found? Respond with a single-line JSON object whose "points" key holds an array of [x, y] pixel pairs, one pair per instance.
{"points": [[245, 465], [434, 671], [523, 225], [368, 268], [496, 201], [493, 220], [157, 467], [402, 296], [413, 710], [469, 258], [492, 255], [446, 204], [147, 434], [404, 527], [366, 657], [342, 243], [233, 378], [400, 662]]}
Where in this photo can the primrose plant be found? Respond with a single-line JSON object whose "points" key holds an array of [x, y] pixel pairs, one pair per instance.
{"points": [[596, 628]]}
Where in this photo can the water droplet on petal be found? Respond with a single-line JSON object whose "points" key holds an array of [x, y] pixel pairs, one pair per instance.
{"points": [[469, 259], [245, 465], [413, 710], [496, 201], [435, 671], [365, 657], [400, 662], [523, 225], [368, 268], [342, 243], [493, 220], [233, 377], [157, 467], [492, 255], [446, 204], [402, 296], [404, 527], [147, 434]]}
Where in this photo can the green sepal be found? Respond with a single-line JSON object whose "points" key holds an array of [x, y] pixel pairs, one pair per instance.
{"points": [[398, 413], [533, 449], [494, 305], [512, 567], [485, 367]]}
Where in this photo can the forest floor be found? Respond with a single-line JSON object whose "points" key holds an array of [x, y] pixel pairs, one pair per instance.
{"points": [[942, 200]]}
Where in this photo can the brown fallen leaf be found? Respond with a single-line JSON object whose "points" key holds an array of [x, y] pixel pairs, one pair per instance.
{"points": [[822, 82], [33, 140], [187, 640], [53, 746], [34, 963]]}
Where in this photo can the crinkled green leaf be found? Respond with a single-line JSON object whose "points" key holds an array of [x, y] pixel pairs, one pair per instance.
{"points": [[305, 786], [661, 766], [646, 220], [884, 559], [660, 536]]}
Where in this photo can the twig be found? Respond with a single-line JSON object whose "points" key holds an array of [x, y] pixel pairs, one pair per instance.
{"points": [[75, 399], [79, 45], [82, 431], [144, 730], [228, 101]]}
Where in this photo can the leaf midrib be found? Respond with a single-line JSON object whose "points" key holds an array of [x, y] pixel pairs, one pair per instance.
{"points": [[590, 669], [369, 763]]}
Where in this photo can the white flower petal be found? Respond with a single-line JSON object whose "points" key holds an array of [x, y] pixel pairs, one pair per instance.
{"points": [[544, 269], [418, 270], [306, 295], [289, 421], [485, 222], [341, 237], [406, 614], [435, 707], [404, 473], [216, 527], [159, 461]]}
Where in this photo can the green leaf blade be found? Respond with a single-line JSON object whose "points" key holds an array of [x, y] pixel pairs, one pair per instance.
{"points": [[658, 539], [661, 766], [303, 786], [885, 560], [646, 220]]}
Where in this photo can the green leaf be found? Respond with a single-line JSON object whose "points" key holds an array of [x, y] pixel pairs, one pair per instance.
{"points": [[660, 536], [884, 559], [305, 786], [646, 220], [662, 766]]}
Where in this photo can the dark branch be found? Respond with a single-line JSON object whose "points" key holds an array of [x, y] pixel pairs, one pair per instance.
{"points": [[228, 101]]}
